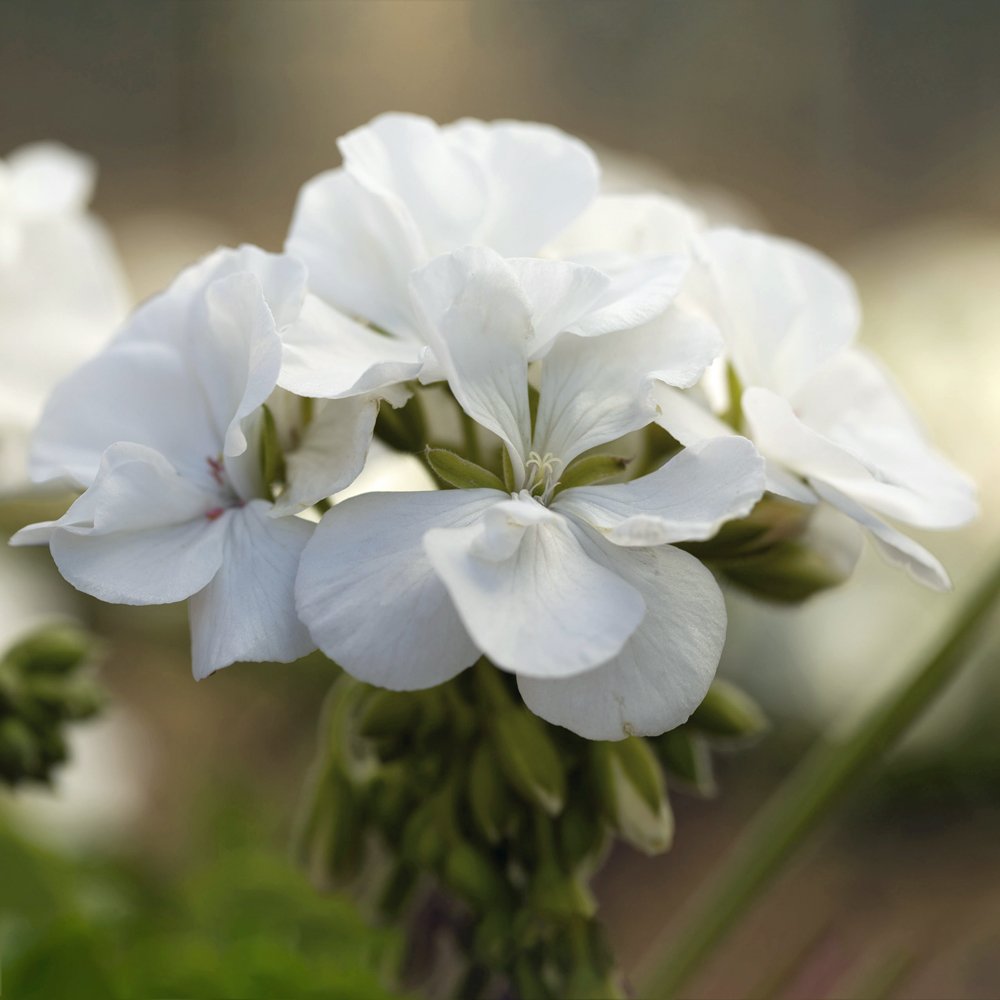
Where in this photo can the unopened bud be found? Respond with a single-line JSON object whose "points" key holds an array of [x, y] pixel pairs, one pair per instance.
{"points": [[729, 713], [529, 759], [687, 759], [460, 472], [489, 798]]}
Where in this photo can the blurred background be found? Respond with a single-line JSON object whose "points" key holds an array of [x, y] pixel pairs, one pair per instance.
{"points": [[871, 131]]}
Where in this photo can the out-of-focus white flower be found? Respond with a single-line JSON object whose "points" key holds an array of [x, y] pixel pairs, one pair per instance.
{"points": [[610, 629], [410, 190], [163, 430], [61, 290]]}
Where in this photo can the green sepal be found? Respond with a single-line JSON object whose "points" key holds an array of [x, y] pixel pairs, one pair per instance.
{"points": [[388, 714], [685, 756], [729, 713], [592, 469], [474, 875], [460, 472], [529, 759]]}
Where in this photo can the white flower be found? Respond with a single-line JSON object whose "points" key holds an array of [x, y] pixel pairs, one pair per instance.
{"points": [[819, 409], [410, 190], [61, 290], [163, 430], [610, 629]]}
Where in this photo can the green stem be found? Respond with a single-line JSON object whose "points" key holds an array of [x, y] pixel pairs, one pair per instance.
{"points": [[807, 797]]}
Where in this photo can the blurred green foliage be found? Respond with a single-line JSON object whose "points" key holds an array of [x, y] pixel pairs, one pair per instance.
{"points": [[243, 923]]}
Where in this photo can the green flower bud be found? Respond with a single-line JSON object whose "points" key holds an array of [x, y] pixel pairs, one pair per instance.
{"points": [[529, 759], [342, 833], [488, 794], [581, 834], [56, 649], [388, 714], [474, 876], [272, 457], [460, 472], [20, 751], [729, 713], [789, 572], [634, 793], [687, 759]]}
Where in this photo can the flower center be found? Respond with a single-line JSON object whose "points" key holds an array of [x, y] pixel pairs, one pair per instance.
{"points": [[541, 475]]}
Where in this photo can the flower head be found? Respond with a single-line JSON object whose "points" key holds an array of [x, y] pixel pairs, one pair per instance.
{"points": [[163, 432], [609, 628]]}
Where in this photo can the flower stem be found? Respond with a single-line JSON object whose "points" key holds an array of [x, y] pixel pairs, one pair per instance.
{"points": [[808, 796]]}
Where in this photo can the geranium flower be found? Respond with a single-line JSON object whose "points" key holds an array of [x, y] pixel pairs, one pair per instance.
{"points": [[62, 294], [610, 629], [410, 190], [820, 409], [163, 431]]}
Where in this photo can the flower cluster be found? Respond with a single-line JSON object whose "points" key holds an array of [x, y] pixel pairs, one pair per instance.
{"points": [[475, 271]]}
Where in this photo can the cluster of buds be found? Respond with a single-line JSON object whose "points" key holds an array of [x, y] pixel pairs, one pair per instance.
{"points": [[42, 689], [460, 813]]}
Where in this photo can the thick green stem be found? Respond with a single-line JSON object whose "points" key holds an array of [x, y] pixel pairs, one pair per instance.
{"points": [[807, 797]]}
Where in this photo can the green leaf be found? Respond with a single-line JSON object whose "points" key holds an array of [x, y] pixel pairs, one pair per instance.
{"points": [[460, 472], [592, 469]]}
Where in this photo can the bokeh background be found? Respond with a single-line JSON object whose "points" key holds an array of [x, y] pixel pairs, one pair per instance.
{"points": [[870, 130]]}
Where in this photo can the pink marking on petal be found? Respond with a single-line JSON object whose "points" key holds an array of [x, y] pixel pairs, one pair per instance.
{"points": [[215, 513]]}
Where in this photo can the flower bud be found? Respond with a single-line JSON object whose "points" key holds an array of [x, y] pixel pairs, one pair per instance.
{"points": [[634, 793], [529, 759], [474, 876], [56, 649], [488, 794], [686, 757], [729, 713]]}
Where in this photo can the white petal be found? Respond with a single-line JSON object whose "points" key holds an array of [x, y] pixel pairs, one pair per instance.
{"points": [[783, 437], [664, 670], [530, 597], [369, 596], [594, 390], [409, 159], [327, 355], [46, 178], [142, 392], [538, 180], [895, 547], [559, 294], [687, 499], [637, 225], [683, 414], [854, 403], [141, 534], [636, 294], [331, 455], [247, 612], [239, 357], [479, 325], [785, 308], [360, 248]]}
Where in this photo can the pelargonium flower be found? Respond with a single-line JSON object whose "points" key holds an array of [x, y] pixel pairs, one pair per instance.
{"points": [[410, 190], [824, 413], [610, 629], [62, 294], [163, 431]]}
